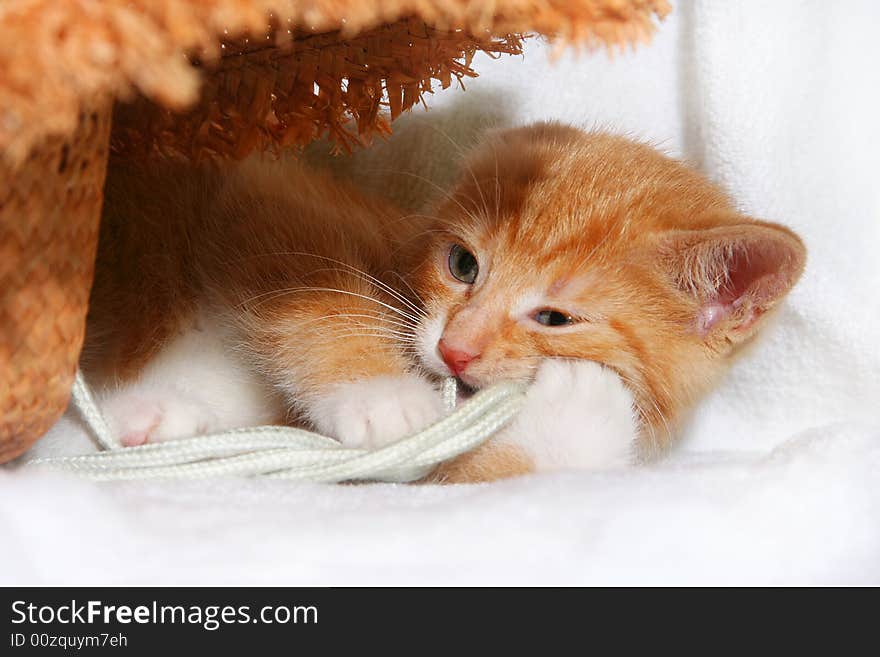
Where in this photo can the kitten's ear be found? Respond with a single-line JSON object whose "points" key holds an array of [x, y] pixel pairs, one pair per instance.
{"points": [[735, 273]]}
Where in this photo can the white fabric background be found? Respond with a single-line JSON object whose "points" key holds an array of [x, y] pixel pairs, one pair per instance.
{"points": [[778, 479]]}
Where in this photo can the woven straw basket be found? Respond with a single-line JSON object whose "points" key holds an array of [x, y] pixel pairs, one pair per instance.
{"points": [[203, 79]]}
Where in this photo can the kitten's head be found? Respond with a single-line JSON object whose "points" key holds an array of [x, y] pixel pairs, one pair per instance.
{"points": [[561, 243]]}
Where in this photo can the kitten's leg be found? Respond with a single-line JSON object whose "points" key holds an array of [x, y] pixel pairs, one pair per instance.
{"points": [[142, 413], [376, 411], [338, 354], [195, 385], [577, 415]]}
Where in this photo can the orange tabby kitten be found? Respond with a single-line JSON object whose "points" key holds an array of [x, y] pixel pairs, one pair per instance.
{"points": [[618, 280]]}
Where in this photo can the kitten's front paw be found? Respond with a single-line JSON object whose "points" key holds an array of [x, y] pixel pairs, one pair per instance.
{"points": [[577, 415], [137, 416], [377, 411]]}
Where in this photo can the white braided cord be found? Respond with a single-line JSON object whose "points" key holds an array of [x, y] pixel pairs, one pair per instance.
{"points": [[288, 452]]}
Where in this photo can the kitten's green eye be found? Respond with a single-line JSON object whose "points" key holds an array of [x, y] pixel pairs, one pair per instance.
{"points": [[552, 318], [463, 265]]}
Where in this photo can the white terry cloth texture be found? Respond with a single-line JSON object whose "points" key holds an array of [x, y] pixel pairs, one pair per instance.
{"points": [[778, 478]]}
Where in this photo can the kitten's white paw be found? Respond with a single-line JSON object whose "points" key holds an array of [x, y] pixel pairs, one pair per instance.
{"points": [[577, 415], [377, 411], [137, 416]]}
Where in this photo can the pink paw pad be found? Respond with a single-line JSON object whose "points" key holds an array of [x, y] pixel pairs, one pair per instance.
{"points": [[135, 420], [134, 438]]}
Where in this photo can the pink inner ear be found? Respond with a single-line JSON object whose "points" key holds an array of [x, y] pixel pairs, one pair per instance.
{"points": [[754, 276], [709, 315], [713, 313]]}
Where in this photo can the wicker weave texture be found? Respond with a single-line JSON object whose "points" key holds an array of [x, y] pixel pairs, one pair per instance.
{"points": [[55, 53], [49, 214], [275, 92]]}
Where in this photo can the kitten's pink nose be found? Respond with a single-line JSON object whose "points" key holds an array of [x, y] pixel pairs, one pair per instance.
{"points": [[456, 360]]}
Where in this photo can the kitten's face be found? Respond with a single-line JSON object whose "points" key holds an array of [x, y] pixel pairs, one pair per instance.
{"points": [[558, 243]]}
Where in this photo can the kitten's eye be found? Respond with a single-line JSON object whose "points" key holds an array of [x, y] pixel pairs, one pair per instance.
{"points": [[552, 318], [463, 265]]}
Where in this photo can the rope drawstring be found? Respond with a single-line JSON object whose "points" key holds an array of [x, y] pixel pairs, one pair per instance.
{"points": [[291, 453]]}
